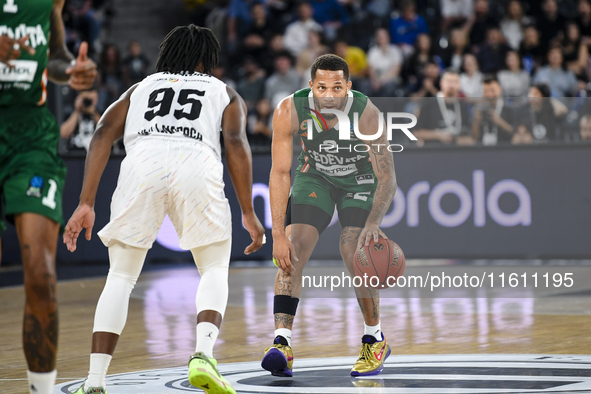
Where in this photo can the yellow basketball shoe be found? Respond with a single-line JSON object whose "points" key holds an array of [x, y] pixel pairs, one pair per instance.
{"points": [[372, 356], [278, 359], [204, 374], [91, 390]]}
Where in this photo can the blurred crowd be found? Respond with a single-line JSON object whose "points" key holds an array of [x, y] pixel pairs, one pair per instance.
{"points": [[530, 55]]}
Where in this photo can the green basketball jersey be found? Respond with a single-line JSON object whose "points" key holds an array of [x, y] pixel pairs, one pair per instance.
{"points": [[347, 163], [25, 83]]}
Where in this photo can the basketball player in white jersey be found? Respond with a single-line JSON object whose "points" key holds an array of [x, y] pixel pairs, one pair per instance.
{"points": [[170, 123]]}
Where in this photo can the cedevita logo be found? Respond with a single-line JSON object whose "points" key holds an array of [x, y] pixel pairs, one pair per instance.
{"points": [[345, 128]]}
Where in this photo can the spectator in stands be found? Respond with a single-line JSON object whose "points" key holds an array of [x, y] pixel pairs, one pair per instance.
{"points": [[427, 82], [258, 33], [82, 17], [273, 50], [355, 58], [491, 55], [379, 8], [444, 120], [251, 85], [585, 131], [550, 23], [284, 81], [135, 65], [514, 80], [562, 82], [513, 24], [259, 124], [316, 48], [331, 15], [238, 19], [110, 85], [406, 27], [522, 135], [531, 50], [455, 13], [453, 55], [219, 72], [574, 50], [543, 114], [471, 78], [296, 36], [423, 53], [584, 19], [79, 128], [492, 118], [479, 23], [385, 61]]}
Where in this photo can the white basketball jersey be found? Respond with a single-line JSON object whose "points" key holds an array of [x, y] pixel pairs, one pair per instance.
{"points": [[176, 106]]}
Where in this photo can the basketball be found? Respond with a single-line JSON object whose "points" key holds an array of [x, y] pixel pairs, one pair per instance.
{"points": [[381, 259]]}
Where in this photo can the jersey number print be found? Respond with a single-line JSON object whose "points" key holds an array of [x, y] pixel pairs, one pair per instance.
{"points": [[160, 101]]}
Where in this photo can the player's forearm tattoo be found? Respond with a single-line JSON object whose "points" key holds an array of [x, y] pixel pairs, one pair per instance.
{"points": [[40, 343], [384, 167], [283, 320]]}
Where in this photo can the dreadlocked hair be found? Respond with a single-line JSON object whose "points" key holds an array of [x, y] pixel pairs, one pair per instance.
{"points": [[185, 48]]}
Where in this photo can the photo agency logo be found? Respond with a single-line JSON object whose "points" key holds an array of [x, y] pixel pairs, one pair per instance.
{"points": [[350, 131]]}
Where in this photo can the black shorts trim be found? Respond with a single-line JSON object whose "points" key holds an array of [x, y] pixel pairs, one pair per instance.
{"points": [[353, 217], [306, 214]]}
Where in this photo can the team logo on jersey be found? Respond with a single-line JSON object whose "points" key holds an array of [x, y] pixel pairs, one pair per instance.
{"points": [[366, 178], [35, 186], [318, 115], [173, 79], [304, 125]]}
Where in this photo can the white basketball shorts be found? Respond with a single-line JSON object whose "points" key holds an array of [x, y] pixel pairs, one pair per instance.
{"points": [[179, 178]]}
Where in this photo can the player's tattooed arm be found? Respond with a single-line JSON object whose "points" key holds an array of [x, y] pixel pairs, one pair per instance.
{"points": [[383, 166], [61, 65], [59, 56]]}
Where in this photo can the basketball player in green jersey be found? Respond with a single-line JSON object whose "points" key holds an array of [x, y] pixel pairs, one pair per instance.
{"points": [[33, 50], [359, 180]]}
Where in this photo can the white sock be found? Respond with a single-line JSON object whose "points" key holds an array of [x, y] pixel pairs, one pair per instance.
{"points": [[99, 364], [41, 382], [285, 333], [376, 331], [207, 334]]}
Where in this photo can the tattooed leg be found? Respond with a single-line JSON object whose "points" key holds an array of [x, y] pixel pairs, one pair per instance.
{"points": [[38, 238], [368, 298]]}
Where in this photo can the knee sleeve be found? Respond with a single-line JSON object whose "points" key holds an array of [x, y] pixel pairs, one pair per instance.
{"points": [[213, 262], [126, 265]]}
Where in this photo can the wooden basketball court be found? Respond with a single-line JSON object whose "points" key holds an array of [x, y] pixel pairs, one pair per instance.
{"points": [[161, 326]]}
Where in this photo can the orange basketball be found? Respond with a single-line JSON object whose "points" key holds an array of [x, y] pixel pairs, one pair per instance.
{"points": [[382, 259]]}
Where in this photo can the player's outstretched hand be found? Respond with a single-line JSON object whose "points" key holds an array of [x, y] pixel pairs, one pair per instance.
{"points": [[257, 232], [83, 217], [369, 231], [83, 72], [11, 49], [283, 253]]}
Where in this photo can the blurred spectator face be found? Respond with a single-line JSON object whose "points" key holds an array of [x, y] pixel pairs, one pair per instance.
{"points": [[431, 71], [555, 57], [586, 128], [135, 49], [470, 63], [536, 98], [458, 38], [250, 67], [314, 39], [514, 10], [258, 12], [550, 7], [111, 55], [276, 43], [382, 37], [492, 90], [263, 107], [450, 84], [584, 7], [408, 11], [531, 36], [340, 49], [481, 7], [282, 64], [513, 61], [305, 11], [494, 37], [572, 32], [423, 43], [522, 136]]}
